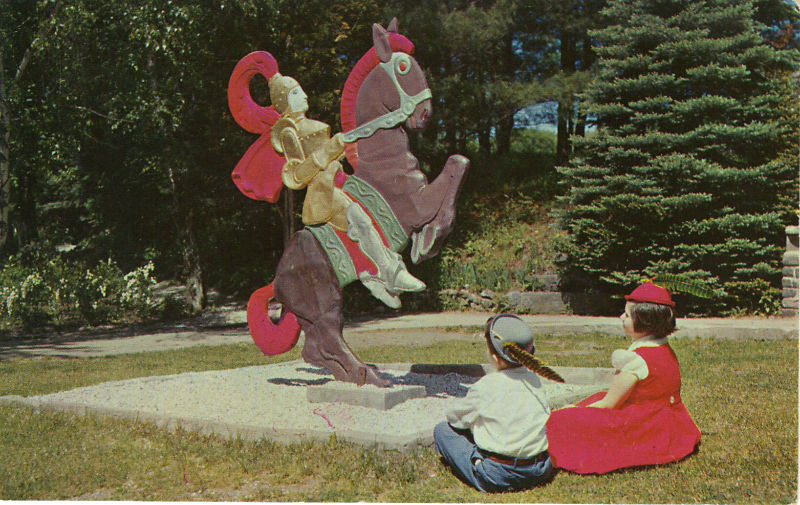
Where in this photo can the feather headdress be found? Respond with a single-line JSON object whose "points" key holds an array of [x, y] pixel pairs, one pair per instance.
{"points": [[531, 363], [682, 284]]}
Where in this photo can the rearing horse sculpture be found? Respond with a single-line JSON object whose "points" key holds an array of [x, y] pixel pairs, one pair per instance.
{"points": [[385, 94]]}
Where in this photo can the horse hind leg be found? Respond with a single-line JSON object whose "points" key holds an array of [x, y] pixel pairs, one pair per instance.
{"points": [[428, 241], [307, 287]]}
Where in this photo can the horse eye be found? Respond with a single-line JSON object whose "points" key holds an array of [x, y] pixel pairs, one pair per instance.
{"points": [[403, 65]]}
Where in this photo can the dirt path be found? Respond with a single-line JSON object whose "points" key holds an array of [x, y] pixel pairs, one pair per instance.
{"points": [[228, 325]]}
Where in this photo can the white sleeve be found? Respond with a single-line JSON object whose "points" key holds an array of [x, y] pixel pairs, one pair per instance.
{"points": [[465, 412], [628, 361]]}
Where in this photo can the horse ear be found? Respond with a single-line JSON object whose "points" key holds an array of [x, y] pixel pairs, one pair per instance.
{"points": [[380, 39], [392, 28]]}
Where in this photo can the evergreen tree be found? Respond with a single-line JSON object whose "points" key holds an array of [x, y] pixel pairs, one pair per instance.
{"points": [[693, 168]]}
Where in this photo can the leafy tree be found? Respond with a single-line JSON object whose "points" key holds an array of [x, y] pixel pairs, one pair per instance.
{"points": [[481, 60], [693, 169], [25, 28], [122, 139]]}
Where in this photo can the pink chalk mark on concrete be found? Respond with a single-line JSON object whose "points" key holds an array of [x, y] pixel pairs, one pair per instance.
{"points": [[316, 411]]}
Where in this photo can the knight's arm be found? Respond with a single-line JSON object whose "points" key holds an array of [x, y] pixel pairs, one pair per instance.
{"points": [[331, 151], [299, 168]]}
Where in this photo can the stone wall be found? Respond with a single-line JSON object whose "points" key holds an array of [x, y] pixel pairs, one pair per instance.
{"points": [[548, 300], [791, 273]]}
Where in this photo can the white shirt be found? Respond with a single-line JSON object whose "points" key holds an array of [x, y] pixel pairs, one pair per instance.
{"points": [[506, 412], [625, 360]]}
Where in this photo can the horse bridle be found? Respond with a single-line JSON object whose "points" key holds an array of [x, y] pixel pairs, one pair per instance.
{"points": [[399, 63]]}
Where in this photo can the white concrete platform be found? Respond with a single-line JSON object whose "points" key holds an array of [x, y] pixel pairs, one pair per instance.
{"points": [[270, 401]]}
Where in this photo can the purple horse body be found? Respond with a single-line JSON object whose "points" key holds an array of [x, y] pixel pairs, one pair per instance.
{"points": [[306, 283]]}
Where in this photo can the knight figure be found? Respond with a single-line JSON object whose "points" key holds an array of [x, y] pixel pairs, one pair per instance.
{"points": [[312, 162]]}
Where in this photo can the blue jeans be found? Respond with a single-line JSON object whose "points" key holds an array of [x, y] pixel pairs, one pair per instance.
{"points": [[485, 475]]}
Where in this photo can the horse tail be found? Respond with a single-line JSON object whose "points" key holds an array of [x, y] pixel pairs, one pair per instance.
{"points": [[272, 338]]}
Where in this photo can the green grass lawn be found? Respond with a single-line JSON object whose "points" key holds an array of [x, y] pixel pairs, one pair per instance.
{"points": [[742, 395]]}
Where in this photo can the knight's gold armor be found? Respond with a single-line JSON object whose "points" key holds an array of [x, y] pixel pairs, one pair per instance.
{"points": [[311, 156]]}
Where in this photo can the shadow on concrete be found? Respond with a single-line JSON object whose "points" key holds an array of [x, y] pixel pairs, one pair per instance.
{"points": [[437, 389], [416, 375], [298, 382]]}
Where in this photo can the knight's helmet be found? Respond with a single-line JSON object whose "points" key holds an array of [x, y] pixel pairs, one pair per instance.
{"points": [[279, 88]]}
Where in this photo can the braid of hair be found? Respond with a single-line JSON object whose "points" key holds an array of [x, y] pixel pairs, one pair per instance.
{"points": [[530, 362]]}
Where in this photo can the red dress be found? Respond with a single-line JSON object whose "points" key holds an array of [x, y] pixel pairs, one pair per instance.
{"points": [[651, 427]]}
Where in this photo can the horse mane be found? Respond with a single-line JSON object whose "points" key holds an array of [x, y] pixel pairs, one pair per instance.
{"points": [[353, 84]]}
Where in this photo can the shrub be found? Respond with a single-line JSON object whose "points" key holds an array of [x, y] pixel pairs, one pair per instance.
{"points": [[55, 291], [503, 234]]}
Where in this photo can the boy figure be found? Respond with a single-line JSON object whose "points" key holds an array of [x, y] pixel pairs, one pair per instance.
{"points": [[495, 440]]}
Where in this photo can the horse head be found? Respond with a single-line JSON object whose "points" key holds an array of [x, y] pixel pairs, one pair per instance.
{"points": [[386, 89], [398, 81]]}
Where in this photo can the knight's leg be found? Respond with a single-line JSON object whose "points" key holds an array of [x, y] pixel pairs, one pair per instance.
{"points": [[318, 206], [392, 271], [307, 286]]}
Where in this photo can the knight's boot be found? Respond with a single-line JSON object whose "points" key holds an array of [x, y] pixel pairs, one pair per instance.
{"points": [[392, 273]]}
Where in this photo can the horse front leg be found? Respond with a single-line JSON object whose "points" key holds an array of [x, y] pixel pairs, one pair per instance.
{"points": [[428, 237]]}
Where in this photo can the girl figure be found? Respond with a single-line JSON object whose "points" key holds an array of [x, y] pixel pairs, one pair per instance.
{"points": [[641, 419], [495, 440]]}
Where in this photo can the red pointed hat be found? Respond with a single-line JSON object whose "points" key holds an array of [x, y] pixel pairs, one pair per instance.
{"points": [[649, 292]]}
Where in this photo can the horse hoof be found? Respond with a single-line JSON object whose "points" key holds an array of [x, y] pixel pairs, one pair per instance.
{"points": [[423, 242], [459, 164], [368, 375]]}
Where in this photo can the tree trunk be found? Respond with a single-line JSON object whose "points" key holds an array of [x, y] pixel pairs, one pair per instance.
{"points": [[565, 104], [195, 290], [485, 141], [503, 134], [587, 60], [461, 143], [580, 128], [5, 174], [24, 222], [505, 124], [562, 133]]}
